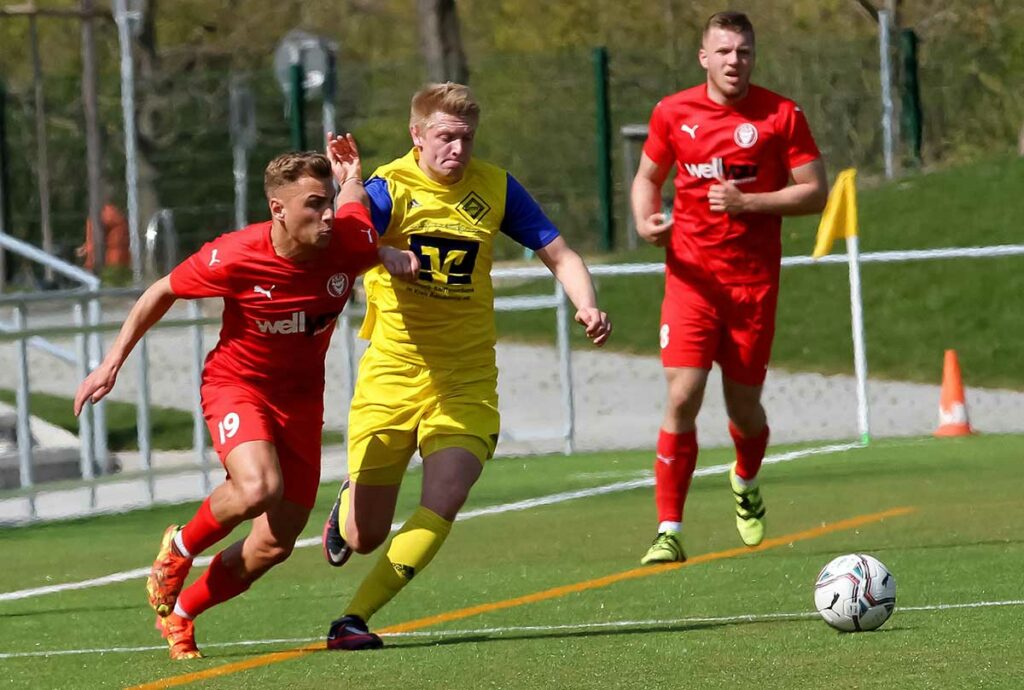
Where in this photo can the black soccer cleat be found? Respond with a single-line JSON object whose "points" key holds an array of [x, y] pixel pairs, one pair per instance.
{"points": [[336, 550], [350, 634]]}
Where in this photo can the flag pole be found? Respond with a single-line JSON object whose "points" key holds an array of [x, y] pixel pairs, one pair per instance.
{"points": [[860, 360]]}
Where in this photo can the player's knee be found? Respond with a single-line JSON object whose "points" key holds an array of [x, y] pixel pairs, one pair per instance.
{"points": [[748, 419], [260, 493], [684, 405]]}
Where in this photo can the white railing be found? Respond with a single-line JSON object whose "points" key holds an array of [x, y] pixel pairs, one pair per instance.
{"points": [[87, 330]]}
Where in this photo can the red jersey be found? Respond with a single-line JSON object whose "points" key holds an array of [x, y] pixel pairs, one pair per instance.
{"points": [[278, 314], [755, 144]]}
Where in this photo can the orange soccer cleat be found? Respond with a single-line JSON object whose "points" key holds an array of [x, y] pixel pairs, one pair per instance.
{"points": [[167, 575], [180, 634]]}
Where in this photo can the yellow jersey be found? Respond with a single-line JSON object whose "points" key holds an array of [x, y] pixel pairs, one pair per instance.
{"points": [[444, 319]]}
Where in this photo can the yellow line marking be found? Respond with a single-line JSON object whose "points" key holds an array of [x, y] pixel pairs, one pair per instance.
{"points": [[458, 614]]}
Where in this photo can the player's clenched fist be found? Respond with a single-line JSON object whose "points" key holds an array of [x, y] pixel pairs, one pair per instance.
{"points": [[725, 197], [655, 229], [404, 265]]}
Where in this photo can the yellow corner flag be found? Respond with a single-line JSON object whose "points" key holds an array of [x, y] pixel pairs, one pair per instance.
{"points": [[839, 219]]}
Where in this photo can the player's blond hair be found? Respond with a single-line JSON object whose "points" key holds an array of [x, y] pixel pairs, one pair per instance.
{"points": [[449, 98], [294, 165], [731, 21]]}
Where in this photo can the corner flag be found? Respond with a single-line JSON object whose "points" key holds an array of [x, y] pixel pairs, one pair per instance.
{"points": [[839, 219]]}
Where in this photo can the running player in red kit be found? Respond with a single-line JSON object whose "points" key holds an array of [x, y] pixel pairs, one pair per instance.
{"points": [[284, 282], [744, 158]]}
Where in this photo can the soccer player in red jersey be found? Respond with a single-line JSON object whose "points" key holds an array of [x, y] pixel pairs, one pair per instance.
{"points": [[284, 282], [744, 158]]}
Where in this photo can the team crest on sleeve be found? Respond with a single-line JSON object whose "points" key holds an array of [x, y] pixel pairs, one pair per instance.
{"points": [[337, 285], [745, 135]]}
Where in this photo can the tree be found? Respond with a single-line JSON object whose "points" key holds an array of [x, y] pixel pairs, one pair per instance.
{"points": [[441, 41]]}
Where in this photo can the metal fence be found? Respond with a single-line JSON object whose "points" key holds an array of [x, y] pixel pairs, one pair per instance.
{"points": [[539, 121]]}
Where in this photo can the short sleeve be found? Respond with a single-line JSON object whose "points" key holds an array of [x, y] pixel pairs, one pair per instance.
{"points": [[800, 146], [658, 146], [380, 203], [524, 220], [354, 226], [206, 273]]}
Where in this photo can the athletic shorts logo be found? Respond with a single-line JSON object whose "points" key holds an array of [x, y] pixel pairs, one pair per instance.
{"points": [[337, 285], [663, 336], [745, 135]]}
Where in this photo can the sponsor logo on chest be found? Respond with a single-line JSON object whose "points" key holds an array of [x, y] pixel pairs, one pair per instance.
{"points": [[296, 323], [718, 170]]}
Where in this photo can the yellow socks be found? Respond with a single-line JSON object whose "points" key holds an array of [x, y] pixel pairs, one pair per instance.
{"points": [[409, 552]]}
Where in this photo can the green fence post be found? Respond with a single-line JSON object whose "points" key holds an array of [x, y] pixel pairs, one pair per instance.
{"points": [[297, 108], [911, 121], [5, 188], [604, 149]]}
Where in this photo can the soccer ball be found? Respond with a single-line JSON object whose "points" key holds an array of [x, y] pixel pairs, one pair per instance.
{"points": [[855, 592]]}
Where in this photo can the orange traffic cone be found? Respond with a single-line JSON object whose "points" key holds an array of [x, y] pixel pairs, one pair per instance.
{"points": [[952, 405]]}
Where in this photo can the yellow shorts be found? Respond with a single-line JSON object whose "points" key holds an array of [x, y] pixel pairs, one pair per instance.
{"points": [[399, 407]]}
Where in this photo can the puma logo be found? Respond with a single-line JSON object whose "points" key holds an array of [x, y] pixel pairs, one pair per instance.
{"points": [[213, 257], [264, 291], [691, 130]]}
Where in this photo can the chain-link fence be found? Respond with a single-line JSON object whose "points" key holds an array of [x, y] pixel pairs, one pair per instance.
{"points": [[539, 121]]}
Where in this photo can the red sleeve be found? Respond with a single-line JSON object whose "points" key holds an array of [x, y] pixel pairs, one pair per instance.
{"points": [[359, 239], [658, 147], [800, 146], [205, 273]]}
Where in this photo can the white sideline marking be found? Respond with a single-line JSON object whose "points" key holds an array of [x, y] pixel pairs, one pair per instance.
{"points": [[609, 625], [551, 499]]}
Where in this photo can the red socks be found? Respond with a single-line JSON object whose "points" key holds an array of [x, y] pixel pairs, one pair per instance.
{"points": [[749, 451], [673, 470], [216, 585], [203, 530]]}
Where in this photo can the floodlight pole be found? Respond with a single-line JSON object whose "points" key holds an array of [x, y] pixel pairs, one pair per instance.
{"points": [[125, 24]]}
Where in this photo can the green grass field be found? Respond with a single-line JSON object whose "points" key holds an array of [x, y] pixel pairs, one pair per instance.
{"points": [[713, 623], [913, 311]]}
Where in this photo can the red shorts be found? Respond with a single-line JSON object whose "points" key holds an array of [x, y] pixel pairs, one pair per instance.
{"points": [[236, 414], [733, 325]]}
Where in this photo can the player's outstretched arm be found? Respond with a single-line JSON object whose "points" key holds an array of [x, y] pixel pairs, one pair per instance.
{"points": [[568, 267], [347, 168], [150, 308]]}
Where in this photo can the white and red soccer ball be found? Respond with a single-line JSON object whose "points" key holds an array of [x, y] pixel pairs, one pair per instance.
{"points": [[855, 592]]}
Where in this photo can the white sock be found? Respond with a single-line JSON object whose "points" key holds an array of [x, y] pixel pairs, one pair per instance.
{"points": [[744, 483], [667, 526], [180, 545], [178, 611]]}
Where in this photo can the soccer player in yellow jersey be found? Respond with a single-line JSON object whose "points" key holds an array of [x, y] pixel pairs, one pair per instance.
{"points": [[428, 380]]}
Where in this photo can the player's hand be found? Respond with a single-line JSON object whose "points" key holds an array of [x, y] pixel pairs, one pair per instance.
{"points": [[656, 229], [725, 197], [344, 156], [596, 323], [401, 264], [95, 386]]}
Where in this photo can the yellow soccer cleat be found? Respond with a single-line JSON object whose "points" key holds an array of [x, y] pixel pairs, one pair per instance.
{"points": [[749, 511], [664, 549]]}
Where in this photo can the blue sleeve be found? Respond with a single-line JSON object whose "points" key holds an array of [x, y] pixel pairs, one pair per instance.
{"points": [[524, 220], [380, 203]]}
